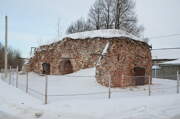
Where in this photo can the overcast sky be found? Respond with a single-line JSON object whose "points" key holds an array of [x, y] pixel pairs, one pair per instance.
{"points": [[34, 22]]}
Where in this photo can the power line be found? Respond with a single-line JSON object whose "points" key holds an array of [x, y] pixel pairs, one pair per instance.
{"points": [[164, 36], [166, 48]]}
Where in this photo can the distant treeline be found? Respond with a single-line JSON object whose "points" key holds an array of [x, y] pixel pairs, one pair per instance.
{"points": [[14, 58]]}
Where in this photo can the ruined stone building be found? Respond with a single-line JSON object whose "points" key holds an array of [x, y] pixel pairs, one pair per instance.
{"points": [[116, 55]]}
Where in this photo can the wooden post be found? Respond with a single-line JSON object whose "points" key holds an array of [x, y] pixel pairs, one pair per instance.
{"points": [[46, 90], [149, 85], [17, 77], [109, 84], [27, 82], [6, 47], [177, 82], [10, 75]]}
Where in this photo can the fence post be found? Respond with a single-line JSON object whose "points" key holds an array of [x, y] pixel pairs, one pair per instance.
{"points": [[27, 82], [122, 80], [3, 75], [149, 85], [177, 82], [17, 69], [155, 71], [109, 85], [10, 75], [46, 89]]}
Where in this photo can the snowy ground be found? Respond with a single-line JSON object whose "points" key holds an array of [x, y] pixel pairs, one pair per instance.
{"points": [[127, 103]]}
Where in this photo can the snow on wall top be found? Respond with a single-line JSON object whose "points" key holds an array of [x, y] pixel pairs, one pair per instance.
{"points": [[104, 33], [166, 54]]}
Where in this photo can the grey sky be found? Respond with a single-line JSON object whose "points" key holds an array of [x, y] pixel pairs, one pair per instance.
{"points": [[33, 22], [160, 17]]}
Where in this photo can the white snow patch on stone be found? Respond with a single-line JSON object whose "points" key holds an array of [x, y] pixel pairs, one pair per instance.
{"points": [[103, 53]]}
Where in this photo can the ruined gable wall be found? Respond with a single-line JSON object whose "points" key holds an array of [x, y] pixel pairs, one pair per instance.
{"points": [[123, 56]]}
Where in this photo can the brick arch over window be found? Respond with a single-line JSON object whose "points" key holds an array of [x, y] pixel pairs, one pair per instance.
{"points": [[65, 67]]}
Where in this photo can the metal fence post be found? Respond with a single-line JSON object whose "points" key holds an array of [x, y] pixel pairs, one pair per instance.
{"points": [[17, 69], [10, 75], [3, 75], [177, 82], [46, 90], [27, 82], [109, 84], [149, 85], [155, 72], [122, 80]]}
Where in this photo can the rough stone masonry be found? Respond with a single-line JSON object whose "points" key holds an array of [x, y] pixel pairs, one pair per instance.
{"points": [[127, 62]]}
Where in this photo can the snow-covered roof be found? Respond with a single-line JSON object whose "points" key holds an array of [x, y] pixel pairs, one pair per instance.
{"points": [[104, 33], [166, 54], [175, 62], [155, 67]]}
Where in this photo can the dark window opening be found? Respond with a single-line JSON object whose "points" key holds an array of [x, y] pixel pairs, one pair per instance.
{"points": [[65, 67], [46, 68], [139, 75]]}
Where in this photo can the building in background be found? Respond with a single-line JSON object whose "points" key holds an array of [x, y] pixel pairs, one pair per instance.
{"points": [[166, 63]]}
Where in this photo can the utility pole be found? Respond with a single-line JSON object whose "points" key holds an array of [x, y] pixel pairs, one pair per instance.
{"points": [[6, 43]]}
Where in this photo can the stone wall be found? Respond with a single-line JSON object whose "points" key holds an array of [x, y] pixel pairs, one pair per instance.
{"points": [[71, 55], [81, 53], [123, 56]]}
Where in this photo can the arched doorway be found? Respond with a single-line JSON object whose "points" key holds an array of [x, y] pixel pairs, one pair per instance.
{"points": [[46, 68], [139, 73], [65, 67]]}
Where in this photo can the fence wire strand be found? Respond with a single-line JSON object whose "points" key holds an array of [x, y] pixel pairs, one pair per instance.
{"points": [[125, 80], [79, 94]]}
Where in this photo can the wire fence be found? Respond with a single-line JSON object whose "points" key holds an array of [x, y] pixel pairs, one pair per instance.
{"points": [[49, 88]]}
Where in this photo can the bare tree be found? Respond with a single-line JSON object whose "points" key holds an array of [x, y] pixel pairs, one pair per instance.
{"points": [[123, 12], [79, 26], [2, 50], [70, 29], [146, 40], [95, 14], [107, 13], [14, 58]]}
